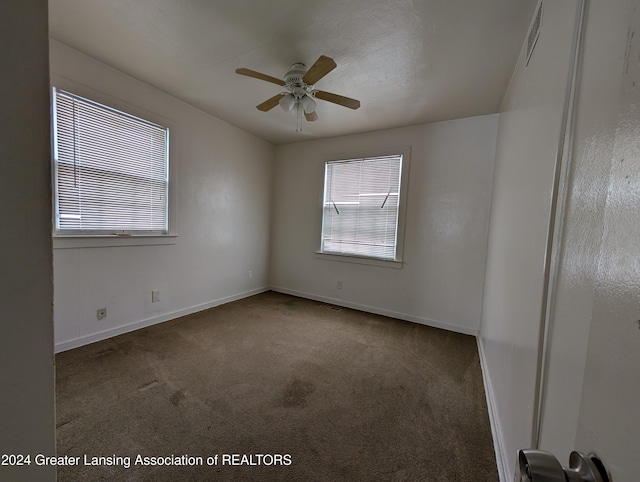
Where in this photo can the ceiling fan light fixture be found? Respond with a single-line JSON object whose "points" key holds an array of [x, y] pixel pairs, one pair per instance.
{"points": [[287, 102], [308, 104], [297, 108]]}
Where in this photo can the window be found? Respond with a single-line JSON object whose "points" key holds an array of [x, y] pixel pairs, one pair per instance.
{"points": [[110, 170], [361, 207]]}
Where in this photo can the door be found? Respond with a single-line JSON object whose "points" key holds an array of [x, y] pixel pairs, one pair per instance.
{"points": [[593, 384], [609, 420]]}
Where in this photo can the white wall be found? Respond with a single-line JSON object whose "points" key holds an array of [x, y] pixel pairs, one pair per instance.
{"points": [[528, 139], [441, 280], [221, 189], [27, 421]]}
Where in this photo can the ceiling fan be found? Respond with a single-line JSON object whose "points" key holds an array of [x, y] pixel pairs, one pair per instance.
{"points": [[300, 91]]}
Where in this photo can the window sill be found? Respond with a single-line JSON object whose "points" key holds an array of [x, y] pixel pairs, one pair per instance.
{"points": [[107, 241], [386, 263]]}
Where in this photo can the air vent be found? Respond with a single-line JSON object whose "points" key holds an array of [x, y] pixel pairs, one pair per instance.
{"points": [[534, 31]]}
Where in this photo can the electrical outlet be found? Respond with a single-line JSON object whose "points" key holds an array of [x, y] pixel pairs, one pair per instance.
{"points": [[250, 274], [155, 296], [339, 285], [101, 314]]}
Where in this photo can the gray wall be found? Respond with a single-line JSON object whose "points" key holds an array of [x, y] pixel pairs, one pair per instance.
{"points": [[26, 285]]}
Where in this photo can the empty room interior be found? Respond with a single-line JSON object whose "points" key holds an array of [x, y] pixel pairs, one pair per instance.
{"points": [[377, 240]]}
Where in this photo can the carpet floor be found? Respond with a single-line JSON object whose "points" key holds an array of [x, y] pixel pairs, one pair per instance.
{"points": [[275, 388]]}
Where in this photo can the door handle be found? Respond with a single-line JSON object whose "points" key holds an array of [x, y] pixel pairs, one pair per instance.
{"points": [[541, 466]]}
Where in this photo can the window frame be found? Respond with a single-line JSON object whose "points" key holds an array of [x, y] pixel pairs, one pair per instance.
{"points": [[398, 260], [98, 238]]}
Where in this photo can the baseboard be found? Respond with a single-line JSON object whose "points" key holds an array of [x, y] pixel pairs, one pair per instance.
{"points": [[501, 459], [377, 311], [119, 330], [103, 335]]}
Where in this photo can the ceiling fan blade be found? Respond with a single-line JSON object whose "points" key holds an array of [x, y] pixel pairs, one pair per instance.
{"points": [[269, 104], [322, 67], [258, 75], [338, 99], [311, 117]]}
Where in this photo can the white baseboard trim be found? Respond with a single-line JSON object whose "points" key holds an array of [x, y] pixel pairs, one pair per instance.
{"points": [[119, 330], [498, 444], [136, 325], [377, 311]]}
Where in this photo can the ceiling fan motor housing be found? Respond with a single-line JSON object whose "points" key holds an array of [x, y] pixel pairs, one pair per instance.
{"points": [[294, 76], [294, 82]]}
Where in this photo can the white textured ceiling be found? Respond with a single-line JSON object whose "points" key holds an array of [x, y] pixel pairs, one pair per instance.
{"points": [[407, 61]]}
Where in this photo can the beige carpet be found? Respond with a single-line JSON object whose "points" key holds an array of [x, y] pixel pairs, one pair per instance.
{"points": [[305, 391]]}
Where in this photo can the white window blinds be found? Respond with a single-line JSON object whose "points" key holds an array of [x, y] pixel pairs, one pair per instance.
{"points": [[111, 170], [361, 203]]}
